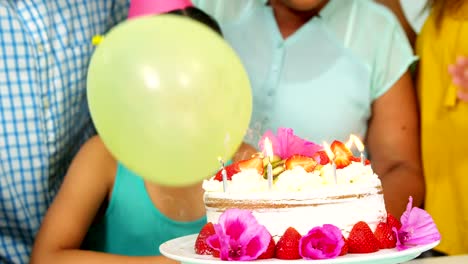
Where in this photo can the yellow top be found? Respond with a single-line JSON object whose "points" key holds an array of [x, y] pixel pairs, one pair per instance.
{"points": [[444, 124]]}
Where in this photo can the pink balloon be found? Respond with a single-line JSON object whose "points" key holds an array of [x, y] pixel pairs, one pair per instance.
{"points": [[154, 7]]}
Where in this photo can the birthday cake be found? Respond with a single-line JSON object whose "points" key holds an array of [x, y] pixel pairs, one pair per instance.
{"points": [[297, 190], [305, 191]]}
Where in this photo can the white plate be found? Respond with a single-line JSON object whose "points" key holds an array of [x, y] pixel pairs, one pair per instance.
{"points": [[181, 249]]}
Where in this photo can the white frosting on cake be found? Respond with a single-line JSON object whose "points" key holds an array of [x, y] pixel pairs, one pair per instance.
{"points": [[302, 200]]}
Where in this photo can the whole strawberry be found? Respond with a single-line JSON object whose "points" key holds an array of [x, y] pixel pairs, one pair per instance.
{"points": [[393, 222], [270, 252], [385, 236], [288, 245], [361, 239], [201, 247], [344, 249]]}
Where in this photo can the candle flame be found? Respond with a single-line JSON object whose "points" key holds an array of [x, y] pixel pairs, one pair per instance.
{"points": [[328, 150], [268, 148], [358, 143], [350, 142]]}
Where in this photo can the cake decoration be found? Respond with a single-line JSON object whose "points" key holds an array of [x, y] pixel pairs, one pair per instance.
{"points": [[322, 242], [238, 236], [285, 144], [301, 202], [417, 228]]}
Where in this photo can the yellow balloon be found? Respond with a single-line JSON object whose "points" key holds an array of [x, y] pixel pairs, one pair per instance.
{"points": [[168, 96]]}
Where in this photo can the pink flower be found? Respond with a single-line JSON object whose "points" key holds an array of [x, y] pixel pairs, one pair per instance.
{"points": [[285, 144], [239, 236], [417, 228], [321, 243]]}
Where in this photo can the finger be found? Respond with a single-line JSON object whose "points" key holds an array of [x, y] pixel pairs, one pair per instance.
{"points": [[462, 61]]}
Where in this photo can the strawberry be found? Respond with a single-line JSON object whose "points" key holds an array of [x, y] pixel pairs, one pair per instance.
{"points": [[344, 249], [201, 247], [361, 239], [342, 154], [253, 163], [270, 251], [358, 159], [288, 245], [342, 162], [385, 236], [321, 157], [230, 171], [393, 222], [305, 162]]}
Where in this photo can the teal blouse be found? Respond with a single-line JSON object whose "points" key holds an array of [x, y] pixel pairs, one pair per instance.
{"points": [[322, 80], [132, 225]]}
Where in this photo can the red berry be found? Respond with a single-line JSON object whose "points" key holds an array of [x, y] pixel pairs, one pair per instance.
{"points": [[230, 171], [305, 162], [342, 154], [344, 249], [393, 221], [361, 239], [385, 236], [253, 163], [270, 251], [201, 247], [288, 245], [321, 157]]}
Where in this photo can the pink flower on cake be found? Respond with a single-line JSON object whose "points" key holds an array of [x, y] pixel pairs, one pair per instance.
{"points": [[285, 144], [417, 228], [323, 242], [239, 236]]}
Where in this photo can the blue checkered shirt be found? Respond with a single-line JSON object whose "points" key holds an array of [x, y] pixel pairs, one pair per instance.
{"points": [[45, 47]]}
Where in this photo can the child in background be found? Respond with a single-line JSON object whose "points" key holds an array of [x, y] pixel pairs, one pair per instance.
{"points": [[104, 213]]}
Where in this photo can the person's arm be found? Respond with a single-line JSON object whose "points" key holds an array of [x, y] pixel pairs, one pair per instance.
{"points": [[86, 186], [393, 142], [395, 7]]}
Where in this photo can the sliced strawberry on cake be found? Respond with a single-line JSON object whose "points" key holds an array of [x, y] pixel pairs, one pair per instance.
{"points": [[253, 163], [358, 159], [305, 162], [342, 154], [288, 245], [361, 239], [201, 247], [321, 157], [231, 170]]}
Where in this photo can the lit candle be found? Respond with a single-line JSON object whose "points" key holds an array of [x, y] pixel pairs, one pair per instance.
{"points": [[331, 156], [268, 149], [223, 173], [360, 147], [350, 142]]}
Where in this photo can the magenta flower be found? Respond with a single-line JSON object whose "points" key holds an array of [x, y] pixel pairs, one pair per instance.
{"points": [[321, 243], [285, 144], [417, 228], [239, 236]]}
